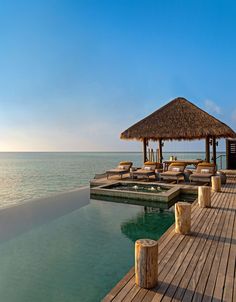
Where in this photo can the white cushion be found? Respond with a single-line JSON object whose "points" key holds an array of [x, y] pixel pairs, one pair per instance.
{"points": [[147, 168], [205, 171], [175, 169], [122, 167]]}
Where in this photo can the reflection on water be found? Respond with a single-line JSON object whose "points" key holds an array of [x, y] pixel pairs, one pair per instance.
{"points": [[154, 204], [151, 223]]}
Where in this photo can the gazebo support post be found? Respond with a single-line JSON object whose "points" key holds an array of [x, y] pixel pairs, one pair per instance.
{"points": [[214, 150], [144, 150], [207, 149], [160, 150]]}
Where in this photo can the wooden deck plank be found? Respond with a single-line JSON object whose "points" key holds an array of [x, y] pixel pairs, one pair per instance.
{"points": [[132, 293], [221, 276], [219, 253], [234, 291], [183, 285], [211, 265], [126, 289], [198, 267], [187, 273], [230, 275], [141, 295], [207, 254], [192, 255], [119, 286]]}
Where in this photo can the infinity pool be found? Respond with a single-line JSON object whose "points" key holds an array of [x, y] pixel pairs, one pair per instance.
{"points": [[77, 256]]}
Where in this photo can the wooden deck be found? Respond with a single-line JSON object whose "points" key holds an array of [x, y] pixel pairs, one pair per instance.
{"points": [[197, 267]]}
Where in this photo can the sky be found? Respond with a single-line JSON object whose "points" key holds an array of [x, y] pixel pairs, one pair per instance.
{"points": [[75, 74]]}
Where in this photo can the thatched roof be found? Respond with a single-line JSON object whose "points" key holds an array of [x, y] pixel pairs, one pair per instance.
{"points": [[178, 120]]}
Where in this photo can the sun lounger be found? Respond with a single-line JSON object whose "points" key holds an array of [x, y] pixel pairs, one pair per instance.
{"points": [[121, 169], [175, 172], [203, 173], [148, 169]]}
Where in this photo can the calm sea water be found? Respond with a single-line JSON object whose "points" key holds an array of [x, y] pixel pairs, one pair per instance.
{"points": [[25, 176]]}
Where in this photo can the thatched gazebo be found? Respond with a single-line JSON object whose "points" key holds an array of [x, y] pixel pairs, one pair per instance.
{"points": [[179, 120]]}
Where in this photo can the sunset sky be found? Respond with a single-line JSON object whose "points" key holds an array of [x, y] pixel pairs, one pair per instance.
{"points": [[75, 74]]}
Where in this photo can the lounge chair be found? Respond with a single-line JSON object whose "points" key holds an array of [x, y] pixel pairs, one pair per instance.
{"points": [[148, 169], [121, 169], [175, 172], [203, 173]]}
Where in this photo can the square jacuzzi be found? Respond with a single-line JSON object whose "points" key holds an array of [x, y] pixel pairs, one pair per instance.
{"points": [[138, 191]]}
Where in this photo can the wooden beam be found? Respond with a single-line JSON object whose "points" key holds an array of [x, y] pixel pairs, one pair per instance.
{"points": [[227, 154], [160, 150], [214, 150], [207, 149], [144, 150]]}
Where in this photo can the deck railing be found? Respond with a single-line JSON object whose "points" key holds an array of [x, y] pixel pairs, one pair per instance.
{"points": [[221, 161]]}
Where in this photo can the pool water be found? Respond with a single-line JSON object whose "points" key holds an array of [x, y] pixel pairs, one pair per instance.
{"points": [[79, 256]]}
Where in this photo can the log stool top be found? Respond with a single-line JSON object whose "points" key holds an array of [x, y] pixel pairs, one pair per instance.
{"points": [[183, 203], [146, 242]]}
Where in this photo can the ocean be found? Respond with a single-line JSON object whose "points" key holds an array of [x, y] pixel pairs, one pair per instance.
{"points": [[29, 175]]}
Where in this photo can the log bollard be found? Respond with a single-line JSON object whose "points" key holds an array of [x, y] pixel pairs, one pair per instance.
{"points": [[204, 196], [182, 218], [215, 183], [146, 263]]}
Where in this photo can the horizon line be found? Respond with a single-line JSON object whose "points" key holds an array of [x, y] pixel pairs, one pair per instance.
{"points": [[220, 151]]}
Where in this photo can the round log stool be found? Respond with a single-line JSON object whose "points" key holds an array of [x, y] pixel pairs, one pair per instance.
{"points": [[204, 196], [215, 184], [146, 263], [182, 218]]}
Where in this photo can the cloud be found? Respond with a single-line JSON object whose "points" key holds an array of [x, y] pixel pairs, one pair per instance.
{"points": [[233, 116], [212, 107]]}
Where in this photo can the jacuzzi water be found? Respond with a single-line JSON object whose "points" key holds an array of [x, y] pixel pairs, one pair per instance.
{"points": [[138, 187]]}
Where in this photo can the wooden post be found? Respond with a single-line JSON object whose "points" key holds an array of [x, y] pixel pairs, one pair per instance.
{"points": [[204, 196], [227, 154], [157, 155], [160, 150], [214, 150], [215, 183], [152, 155], [207, 149], [144, 150], [182, 218], [146, 263]]}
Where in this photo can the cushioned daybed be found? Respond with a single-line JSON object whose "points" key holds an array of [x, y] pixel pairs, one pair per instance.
{"points": [[203, 173], [121, 169], [175, 171], [148, 169]]}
